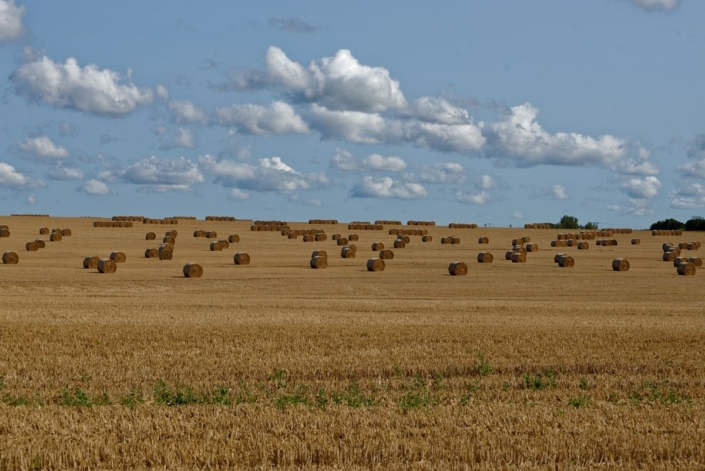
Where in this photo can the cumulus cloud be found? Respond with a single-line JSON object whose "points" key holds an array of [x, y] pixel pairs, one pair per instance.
{"points": [[344, 161], [31, 199], [237, 194], [184, 111], [614, 207], [11, 178], [656, 5], [162, 92], [270, 174], [89, 89], [158, 175], [641, 188], [94, 187], [486, 183], [185, 138], [43, 147], [558, 192], [66, 173], [688, 197], [475, 197], [291, 25], [518, 215], [277, 118], [385, 187], [67, 129], [11, 20], [640, 207], [693, 169], [447, 172]]}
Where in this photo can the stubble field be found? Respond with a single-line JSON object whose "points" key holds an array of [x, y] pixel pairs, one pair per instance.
{"points": [[516, 366]]}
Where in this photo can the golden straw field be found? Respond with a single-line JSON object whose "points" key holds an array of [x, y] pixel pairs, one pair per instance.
{"points": [[275, 364]]}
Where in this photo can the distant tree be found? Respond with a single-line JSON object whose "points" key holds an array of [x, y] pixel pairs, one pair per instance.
{"points": [[568, 222], [667, 225], [592, 226], [696, 223]]}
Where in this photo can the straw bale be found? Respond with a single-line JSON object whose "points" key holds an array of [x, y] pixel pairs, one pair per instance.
{"points": [[241, 258], [458, 269], [386, 254], [319, 253], [40, 243], [31, 246], [377, 246], [193, 270], [107, 265], [91, 262], [427, 238], [118, 257], [150, 236], [518, 257], [341, 241], [532, 247], [687, 269], [566, 261], [583, 245], [348, 252], [485, 257], [10, 258], [696, 261], [151, 253], [319, 262], [375, 264], [216, 246], [620, 264], [636, 241], [44, 231], [399, 244], [233, 238]]}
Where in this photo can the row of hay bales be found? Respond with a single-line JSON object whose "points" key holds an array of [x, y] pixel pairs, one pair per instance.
{"points": [[166, 250], [270, 223], [160, 221], [520, 247], [461, 225], [581, 245], [323, 221], [365, 227], [415, 232], [104, 265], [188, 218], [450, 240], [35, 245], [666, 233], [4, 231], [206, 234], [128, 218], [686, 266], [220, 218], [268, 228], [586, 235], [387, 222], [309, 235], [420, 223], [564, 260], [112, 224], [225, 243], [319, 259], [538, 226], [30, 215]]}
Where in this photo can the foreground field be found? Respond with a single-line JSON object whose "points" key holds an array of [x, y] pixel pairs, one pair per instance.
{"points": [[278, 365]]}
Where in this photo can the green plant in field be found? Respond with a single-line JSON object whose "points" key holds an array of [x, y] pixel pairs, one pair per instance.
{"points": [[614, 398], [321, 399], [74, 398], [353, 397], [418, 395], [102, 399], [483, 366], [178, 395], [397, 370], [470, 389], [540, 381], [298, 397], [132, 399], [660, 393], [635, 399], [577, 402], [221, 395], [244, 395], [584, 386], [279, 378]]}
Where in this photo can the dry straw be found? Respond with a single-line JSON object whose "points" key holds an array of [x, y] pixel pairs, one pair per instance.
{"points": [[193, 270], [212, 235], [107, 265], [319, 253], [375, 264], [678, 260], [669, 256], [241, 258], [341, 241], [44, 231], [405, 238], [309, 238], [319, 262], [118, 257], [348, 252], [10, 258], [199, 233], [166, 252], [4, 233], [55, 237], [216, 246], [91, 262], [583, 245], [455, 240], [518, 257], [566, 261], [320, 237], [353, 237], [377, 246], [532, 247], [485, 257], [31, 246], [66, 232], [150, 236], [399, 244], [386, 254], [519, 241], [234, 238], [458, 269], [636, 241], [292, 235], [557, 257], [687, 269], [151, 253], [225, 244], [508, 255], [519, 249], [40, 243], [696, 261], [620, 264], [483, 240], [427, 238]]}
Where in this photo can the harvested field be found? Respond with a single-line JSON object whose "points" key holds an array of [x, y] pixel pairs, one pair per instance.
{"points": [[514, 365]]}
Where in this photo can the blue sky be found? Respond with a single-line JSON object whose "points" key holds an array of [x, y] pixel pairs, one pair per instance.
{"points": [[496, 113]]}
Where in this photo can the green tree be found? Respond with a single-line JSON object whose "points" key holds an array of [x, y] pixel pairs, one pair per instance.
{"points": [[667, 225], [591, 226], [696, 223], [568, 222]]}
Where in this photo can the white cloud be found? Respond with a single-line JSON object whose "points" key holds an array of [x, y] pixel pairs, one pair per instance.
{"points": [[87, 89], [688, 197], [31, 199], [476, 197], [67, 129], [384, 187], [277, 118], [436, 110], [486, 183], [641, 188], [656, 5], [518, 215], [11, 178], [162, 92], [353, 126], [10, 20], [42, 146], [184, 111], [66, 173], [346, 162], [270, 174], [640, 207], [94, 187], [693, 169], [338, 82], [447, 172], [158, 175], [558, 192], [614, 207], [185, 138], [238, 195]]}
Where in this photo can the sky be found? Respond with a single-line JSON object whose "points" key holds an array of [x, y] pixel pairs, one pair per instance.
{"points": [[498, 113]]}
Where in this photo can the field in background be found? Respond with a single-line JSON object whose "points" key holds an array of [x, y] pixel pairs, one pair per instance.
{"points": [[277, 364]]}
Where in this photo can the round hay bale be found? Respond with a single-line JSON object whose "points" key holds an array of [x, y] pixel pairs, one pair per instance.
{"points": [[508, 255], [526, 239], [55, 237], [399, 244], [319, 262], [292, 235], [669, 256], [91, 262], [485, 257], [445, 240], [335, 236], [169, 240], [483, 240], [165, 253], [519, 241], [687, 269], [458, 269], [107, 265], [341, 241], [532, 247], [353, 237], [598, 242], [518, 257], [405, 238], [66, 232], [667, 247], [225, 244], [557, 257], [193, 270], [696, 261], [566, 261], [320, 237], [151, 236], [309, 238], [348, 252], [199, 234], [583, 245], [572, 242], [614, 242], [620, 264], [519, 249], [241, 258], [377, 246], [211, 235], [31, 246], [427, 238], [636, 241], [678, 260], [319, 253], [234, 238], [375, 264], [10, 258], [151, 253], [455, 240], [44, 231], [216, 246], [118, 257], [386, 254], [4, 233], [41, 243], [554, 243]]}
